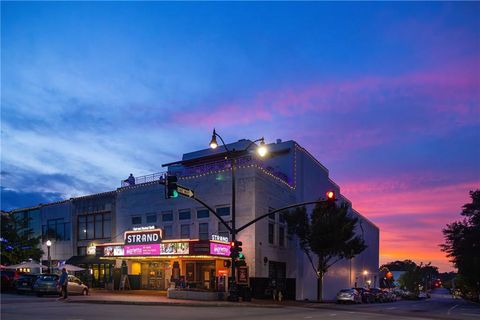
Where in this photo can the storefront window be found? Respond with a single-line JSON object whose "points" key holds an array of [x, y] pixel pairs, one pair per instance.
{"points": [[184, 214], [203, 213], [203, 231], [185, 231]]}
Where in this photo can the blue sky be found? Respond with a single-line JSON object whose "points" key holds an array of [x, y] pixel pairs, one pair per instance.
{"points": [[386, 95]]}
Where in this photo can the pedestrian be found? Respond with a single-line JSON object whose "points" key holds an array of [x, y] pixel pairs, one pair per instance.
{"points": [[63, 282]]}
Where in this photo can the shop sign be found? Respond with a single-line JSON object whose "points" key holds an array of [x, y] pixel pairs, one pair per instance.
{"points": [[219, 249], [143, 237], [113, 251], [216, 237], [91, 250], [168, 248], [143, 228], [142, 250]]}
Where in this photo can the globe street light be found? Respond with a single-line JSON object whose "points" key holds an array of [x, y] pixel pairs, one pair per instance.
{"points": [[232, 154], [49, 244]]}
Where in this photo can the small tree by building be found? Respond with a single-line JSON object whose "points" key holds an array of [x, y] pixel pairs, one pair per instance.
{"points": [[328, 233]]}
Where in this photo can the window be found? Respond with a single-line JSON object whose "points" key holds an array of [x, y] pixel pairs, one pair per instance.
{"points": [[222, 230], [271, 234], [168, 232], [225, 211], [167, 216], [56, 229], [92, 226], [151, 218], [184, 214], [185, 231], [203, 231], [203, 213], [281, 236], [281, 218], [137, 220]]}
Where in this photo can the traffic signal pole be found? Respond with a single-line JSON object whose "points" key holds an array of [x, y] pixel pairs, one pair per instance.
{"points": [[232, 288]]}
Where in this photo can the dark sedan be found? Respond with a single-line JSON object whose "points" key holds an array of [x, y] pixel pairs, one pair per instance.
{"points": [[24, 284]]}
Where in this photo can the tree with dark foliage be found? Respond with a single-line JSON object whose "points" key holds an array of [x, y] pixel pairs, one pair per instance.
{"points": [[16, 241], [462, 245], [329, 233]]}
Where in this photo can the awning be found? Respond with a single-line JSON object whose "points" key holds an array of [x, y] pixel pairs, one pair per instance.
{"points": [[76, 260]]}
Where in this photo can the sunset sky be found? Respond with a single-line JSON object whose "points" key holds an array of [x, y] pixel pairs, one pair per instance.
{"points": [[385, 95]]}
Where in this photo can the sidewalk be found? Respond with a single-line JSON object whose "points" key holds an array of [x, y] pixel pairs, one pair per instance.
{"points": [[156, 298]]}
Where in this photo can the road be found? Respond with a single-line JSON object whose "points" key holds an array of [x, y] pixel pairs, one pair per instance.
{"points": [[440, 306]]}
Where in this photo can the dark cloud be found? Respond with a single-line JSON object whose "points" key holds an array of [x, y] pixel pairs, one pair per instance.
{"points": [[12, 199]]}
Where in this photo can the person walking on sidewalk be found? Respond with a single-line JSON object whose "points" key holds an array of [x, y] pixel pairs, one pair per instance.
{"points": [[63, 282]]}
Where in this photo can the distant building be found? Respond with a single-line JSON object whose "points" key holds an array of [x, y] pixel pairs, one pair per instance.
{"points": [[190, 248]]}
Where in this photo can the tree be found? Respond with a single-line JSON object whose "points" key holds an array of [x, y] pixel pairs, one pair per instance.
{"points": [[16, 242], [462, 245], [329, 233]]}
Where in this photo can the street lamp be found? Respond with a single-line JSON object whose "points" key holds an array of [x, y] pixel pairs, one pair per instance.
{"points": [[231, 153], [49, 244]]}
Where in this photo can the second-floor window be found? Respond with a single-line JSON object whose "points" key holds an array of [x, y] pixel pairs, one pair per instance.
{"points": [[94, 226], [185, 231], [203, 231], [56, 229]]}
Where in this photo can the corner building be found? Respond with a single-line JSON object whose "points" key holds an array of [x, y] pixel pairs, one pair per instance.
{"points": [[288, 175]]}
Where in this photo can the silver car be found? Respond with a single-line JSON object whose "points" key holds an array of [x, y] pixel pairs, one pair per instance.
{"points": [[75, 286], [349, 295]]}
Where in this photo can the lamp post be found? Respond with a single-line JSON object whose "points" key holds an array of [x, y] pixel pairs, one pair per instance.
{"points": [[49, 244], [231, 153]]}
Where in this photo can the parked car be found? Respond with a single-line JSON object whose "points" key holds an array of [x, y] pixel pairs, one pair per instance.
{"points": [[367, 297], [24, 284], [389, 295], [378, 295], [76, 286], [47, 284], [7, 279], [349, 295]]}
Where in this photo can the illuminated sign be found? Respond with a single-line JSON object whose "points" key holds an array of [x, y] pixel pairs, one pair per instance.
{"points": [[168, 248], [219, 249], [142, 250], [216, 237], [91, 250], [113, 251], [143, 228], [143, 237]]}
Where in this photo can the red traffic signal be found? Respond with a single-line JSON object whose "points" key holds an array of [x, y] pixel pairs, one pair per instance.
{"points": [[330, 196]]}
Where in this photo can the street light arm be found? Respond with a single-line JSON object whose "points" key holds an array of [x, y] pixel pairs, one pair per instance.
{"points": [[253, 142], [275, 211], [221, 139]]}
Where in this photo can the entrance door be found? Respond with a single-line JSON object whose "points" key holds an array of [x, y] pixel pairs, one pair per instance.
{"points": [[153, 276]]}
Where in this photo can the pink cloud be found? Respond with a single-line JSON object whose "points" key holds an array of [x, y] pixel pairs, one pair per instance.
{"points": [[410, 214], [452, 90]]}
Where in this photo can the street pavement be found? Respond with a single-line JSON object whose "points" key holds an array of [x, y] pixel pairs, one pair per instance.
{"points": [[148, 305]]}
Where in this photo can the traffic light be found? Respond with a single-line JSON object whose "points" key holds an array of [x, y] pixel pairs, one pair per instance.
{"points": [[235, 249], [330, 196], [171, 187]]}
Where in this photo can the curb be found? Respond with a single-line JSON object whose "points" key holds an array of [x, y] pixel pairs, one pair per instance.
{"points": [[175, 304]]}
